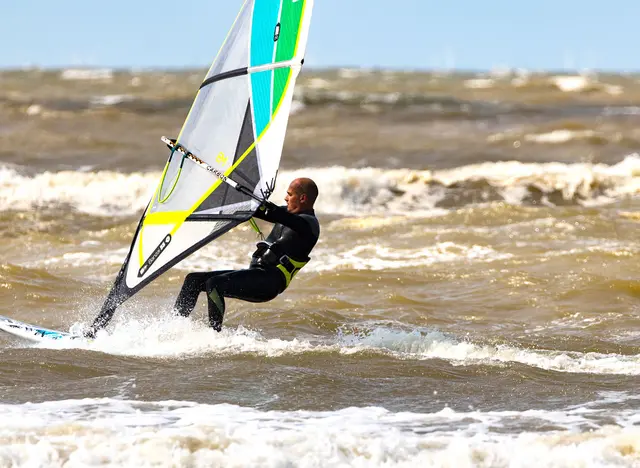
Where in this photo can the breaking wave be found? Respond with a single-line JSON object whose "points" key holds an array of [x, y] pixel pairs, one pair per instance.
{"points": [[349, 191]]}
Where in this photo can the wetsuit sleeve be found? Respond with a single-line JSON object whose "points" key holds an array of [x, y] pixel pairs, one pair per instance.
{"points": [[279, 214]]}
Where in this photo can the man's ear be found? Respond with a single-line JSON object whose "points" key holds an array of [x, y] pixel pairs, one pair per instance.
{"points": [[303, 198]]}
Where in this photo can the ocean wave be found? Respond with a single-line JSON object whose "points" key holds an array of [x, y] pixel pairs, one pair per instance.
{"points": [[378, 191], [378, 257], [524, 81], [480, 83], [418, 344], [552, 137], [98, 193], [428, 104], [583, 84], [110, 99], [322, 93], [127, 102], [53, 107], [450, 93], [177, 337], [565, 136], [84, 74], [347, 191], [89, 258], [181, 433]]}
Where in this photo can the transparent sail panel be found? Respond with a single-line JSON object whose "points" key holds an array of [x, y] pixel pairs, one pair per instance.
{"points": [[234, 53], [170, 177]]}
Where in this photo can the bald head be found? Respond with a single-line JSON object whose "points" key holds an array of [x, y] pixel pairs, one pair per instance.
{"points": [[301, 195], [308, 188]]}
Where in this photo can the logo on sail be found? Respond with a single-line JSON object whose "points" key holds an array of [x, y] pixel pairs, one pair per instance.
{"points": [[154, 256]]}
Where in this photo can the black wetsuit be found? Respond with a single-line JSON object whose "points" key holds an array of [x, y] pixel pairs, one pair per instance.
{"points": [[288, 245]]}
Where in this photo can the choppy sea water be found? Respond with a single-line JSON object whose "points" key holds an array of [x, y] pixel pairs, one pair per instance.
{"points": [[473, 300]]}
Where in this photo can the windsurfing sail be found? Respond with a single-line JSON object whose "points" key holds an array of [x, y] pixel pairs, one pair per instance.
{"points": [[226, 156]]}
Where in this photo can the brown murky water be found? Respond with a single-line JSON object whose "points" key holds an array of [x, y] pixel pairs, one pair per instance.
{"points": [[474, 299]]}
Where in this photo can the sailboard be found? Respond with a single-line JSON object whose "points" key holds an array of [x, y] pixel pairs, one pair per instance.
{"points": [[225, 159], [34, 332]]}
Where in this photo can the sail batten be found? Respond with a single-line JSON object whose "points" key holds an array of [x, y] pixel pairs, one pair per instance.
{"points": [[249, 70], [235, 130]]}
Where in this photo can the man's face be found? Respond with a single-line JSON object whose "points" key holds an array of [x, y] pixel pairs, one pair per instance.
{"points": [[294, 199]]}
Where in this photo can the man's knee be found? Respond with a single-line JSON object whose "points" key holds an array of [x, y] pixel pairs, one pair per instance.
{"points": [[191, 277], [212, 283]]}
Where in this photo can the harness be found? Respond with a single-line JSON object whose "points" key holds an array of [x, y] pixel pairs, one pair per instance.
{"points": [[268, 255], [289, 267]]}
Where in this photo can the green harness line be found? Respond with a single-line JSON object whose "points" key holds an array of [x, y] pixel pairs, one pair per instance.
{"points": [[256, 228]]}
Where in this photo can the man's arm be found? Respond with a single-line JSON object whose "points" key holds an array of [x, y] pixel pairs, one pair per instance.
{"points": [[279, 214]]}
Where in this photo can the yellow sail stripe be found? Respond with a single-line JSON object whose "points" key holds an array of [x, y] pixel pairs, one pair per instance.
{"points": [[168, 217], [304, 10]]}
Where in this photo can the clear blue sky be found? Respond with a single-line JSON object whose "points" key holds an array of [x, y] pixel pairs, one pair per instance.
{"points": [[464, 34]]}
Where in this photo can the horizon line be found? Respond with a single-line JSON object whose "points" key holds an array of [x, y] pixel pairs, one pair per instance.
{"points": [[307, 68]]}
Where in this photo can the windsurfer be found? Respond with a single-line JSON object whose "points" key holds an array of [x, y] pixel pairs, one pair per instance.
{"points": [[275, 262]]}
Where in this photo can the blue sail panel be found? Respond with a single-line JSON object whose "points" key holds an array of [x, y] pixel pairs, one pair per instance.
{"points": [[264, 34]]}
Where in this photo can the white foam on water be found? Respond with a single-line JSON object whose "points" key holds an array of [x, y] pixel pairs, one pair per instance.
{"points": [[584, 83], [513, 177], [578, 320], [380, 257], [374, 256], [231, 254], [318, 83], [177, 337], [572, 84], [420, 344], [480, 83], [110, 432], [81, 259], [110, 99], [91, 74], [227, 254], [559, 136], [351, 73], [174, 337], [97, 193], [344, 191], [366, 191], [614, 90], [590, 246], [34, 109]]}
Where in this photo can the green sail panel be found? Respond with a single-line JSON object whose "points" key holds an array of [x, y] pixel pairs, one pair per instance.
{"points": [[290, 23]]}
